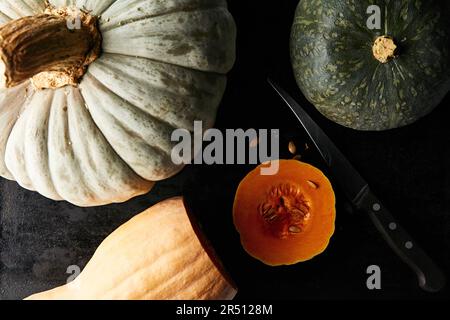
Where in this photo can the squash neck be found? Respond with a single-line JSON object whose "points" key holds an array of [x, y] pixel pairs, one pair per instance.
{"points": [[384, 49], [52, 49]]}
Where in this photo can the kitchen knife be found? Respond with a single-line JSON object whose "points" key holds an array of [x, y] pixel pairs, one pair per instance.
{"points": [[358, 192]]}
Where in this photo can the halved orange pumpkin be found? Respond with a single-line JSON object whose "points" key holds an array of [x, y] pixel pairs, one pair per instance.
{"points": [[285, 218]]}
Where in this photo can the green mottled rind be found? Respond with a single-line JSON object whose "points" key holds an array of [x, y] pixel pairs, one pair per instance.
{"points": [[331, 51]]}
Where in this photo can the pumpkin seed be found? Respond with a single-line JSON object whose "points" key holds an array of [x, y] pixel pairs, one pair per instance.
{"points": [[292, 147], [313, 184], [254, 143], [294, 229], [297, 214]]}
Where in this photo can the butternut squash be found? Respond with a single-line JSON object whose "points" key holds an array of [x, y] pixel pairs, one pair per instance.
{"points": [[157, 255]]}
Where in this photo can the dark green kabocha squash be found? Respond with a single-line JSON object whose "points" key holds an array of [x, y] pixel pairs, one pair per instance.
{"points": [[372, 79]]}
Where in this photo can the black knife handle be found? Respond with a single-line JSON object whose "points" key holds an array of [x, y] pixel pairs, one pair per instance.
{"points": [[429, 275]]}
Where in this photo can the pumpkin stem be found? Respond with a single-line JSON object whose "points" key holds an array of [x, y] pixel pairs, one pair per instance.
{"points": [[384, 49], [53, 49]]}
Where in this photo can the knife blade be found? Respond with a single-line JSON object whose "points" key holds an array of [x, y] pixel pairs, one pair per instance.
{"points": [[357, 190]]}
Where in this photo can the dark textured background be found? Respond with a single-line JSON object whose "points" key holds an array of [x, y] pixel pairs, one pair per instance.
{"points": [[407, 168]]}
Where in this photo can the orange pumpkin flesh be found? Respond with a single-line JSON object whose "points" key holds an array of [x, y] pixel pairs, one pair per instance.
{"points": [[285, 218]]}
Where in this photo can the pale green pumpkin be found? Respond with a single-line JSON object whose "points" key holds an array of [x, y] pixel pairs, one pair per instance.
{"points": [[163, 65]]}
